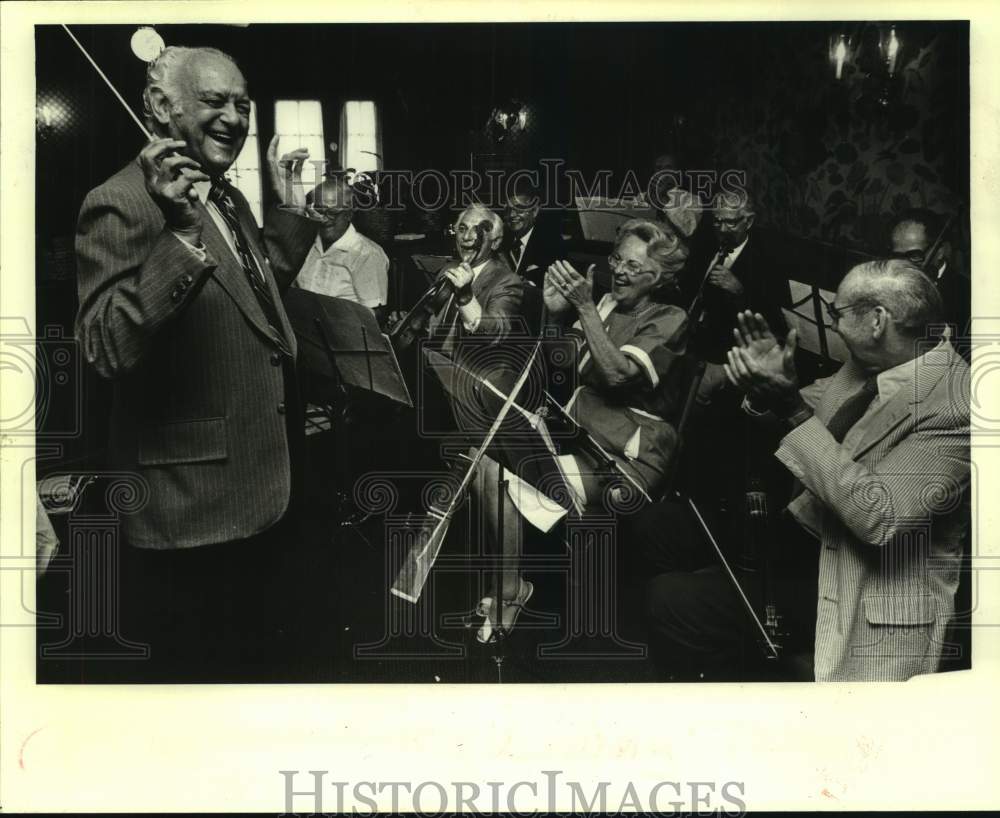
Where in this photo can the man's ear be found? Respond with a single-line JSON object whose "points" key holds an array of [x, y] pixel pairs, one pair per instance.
{"points": [[880, 322], [159, 105], [750, 219]]}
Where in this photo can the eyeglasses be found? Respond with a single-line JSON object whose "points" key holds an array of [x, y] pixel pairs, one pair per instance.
{"points": [[327, 212], [631, 267], [914, 256], [730, 223], [836, 313]]}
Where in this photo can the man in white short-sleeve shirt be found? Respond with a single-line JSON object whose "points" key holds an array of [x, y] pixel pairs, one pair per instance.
{"points": [[343, 263]]}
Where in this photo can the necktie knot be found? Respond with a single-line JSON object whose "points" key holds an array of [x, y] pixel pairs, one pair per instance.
{"points": [[218, 193]]}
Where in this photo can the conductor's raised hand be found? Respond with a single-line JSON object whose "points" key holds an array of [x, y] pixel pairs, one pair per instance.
{"points": [[286, 174], [578, 290], [170, 178]]}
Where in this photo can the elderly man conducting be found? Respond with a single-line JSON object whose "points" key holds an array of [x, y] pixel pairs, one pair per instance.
{"points": [[881, 450], [180, 307]]}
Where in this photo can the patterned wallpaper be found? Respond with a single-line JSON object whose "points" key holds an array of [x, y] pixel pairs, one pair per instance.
{"points": [[833, 160]]}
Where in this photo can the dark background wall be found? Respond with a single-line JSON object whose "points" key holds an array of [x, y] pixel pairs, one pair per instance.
{"points": [[828, 160]]}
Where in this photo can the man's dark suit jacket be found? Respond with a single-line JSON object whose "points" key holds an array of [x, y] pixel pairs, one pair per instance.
{"points": [[765, 290], [544, 246], [499, 293], [199, 386]]}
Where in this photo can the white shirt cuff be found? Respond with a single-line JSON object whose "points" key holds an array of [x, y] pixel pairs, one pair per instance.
{"points": [[198, 250], [471, 314]]}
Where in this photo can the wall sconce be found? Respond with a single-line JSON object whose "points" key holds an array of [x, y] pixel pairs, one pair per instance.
{"points": [[890, 47], [875, 53], [509, 119], [45, 118], [51, 116], [840, 50]]}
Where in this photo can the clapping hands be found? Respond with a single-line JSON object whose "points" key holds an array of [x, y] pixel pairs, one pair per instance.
{"points": [[564, 287], [759, 364]]}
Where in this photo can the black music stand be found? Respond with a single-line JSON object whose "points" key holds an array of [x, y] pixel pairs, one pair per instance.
{"points": [[340, 339]]}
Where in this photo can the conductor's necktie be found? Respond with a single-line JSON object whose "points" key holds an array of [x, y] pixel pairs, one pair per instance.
{"points": [[222, 198]]}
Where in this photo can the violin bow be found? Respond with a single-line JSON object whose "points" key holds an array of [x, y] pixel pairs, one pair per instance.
{"points": [[772, 648], [942, 233], [423, 553]]}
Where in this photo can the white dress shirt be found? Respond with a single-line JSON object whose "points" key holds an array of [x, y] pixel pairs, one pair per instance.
{"points": [[524, 246]]}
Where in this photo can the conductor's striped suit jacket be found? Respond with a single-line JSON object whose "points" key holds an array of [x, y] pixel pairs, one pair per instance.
{"points": [[199, 392], [891, 504]]}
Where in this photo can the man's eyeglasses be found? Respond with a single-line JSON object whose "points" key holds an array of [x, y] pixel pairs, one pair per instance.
{"points": [[632, 268], [914, 256], [836, 313], [732, 223]]}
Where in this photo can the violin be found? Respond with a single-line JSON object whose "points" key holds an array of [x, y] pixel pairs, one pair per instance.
{"points": [[412, 325]]}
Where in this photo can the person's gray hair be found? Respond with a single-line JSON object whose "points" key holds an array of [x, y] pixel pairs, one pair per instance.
{"points": [[904, 290], [483, 214], [161, 73], [741, 200], [665, 250]]}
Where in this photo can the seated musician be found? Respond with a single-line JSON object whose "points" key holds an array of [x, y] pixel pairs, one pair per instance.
{"points": [[627, 344], [485, 294], [342, 263]]}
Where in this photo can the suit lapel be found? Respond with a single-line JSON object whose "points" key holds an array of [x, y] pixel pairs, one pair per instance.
{"points": [[484, 280], [229, 272], [250, 231], [231, 277], [902, 405]]}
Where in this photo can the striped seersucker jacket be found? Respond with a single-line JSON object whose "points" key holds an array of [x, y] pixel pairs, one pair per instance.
{"points": [[894, 511]]}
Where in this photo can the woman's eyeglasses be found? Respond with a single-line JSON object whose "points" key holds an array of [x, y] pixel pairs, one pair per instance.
{"points": [[631, 267]]}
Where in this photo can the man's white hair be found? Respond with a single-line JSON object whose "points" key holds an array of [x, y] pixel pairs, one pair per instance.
{"points": [[161, 73], [484, 214]]}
